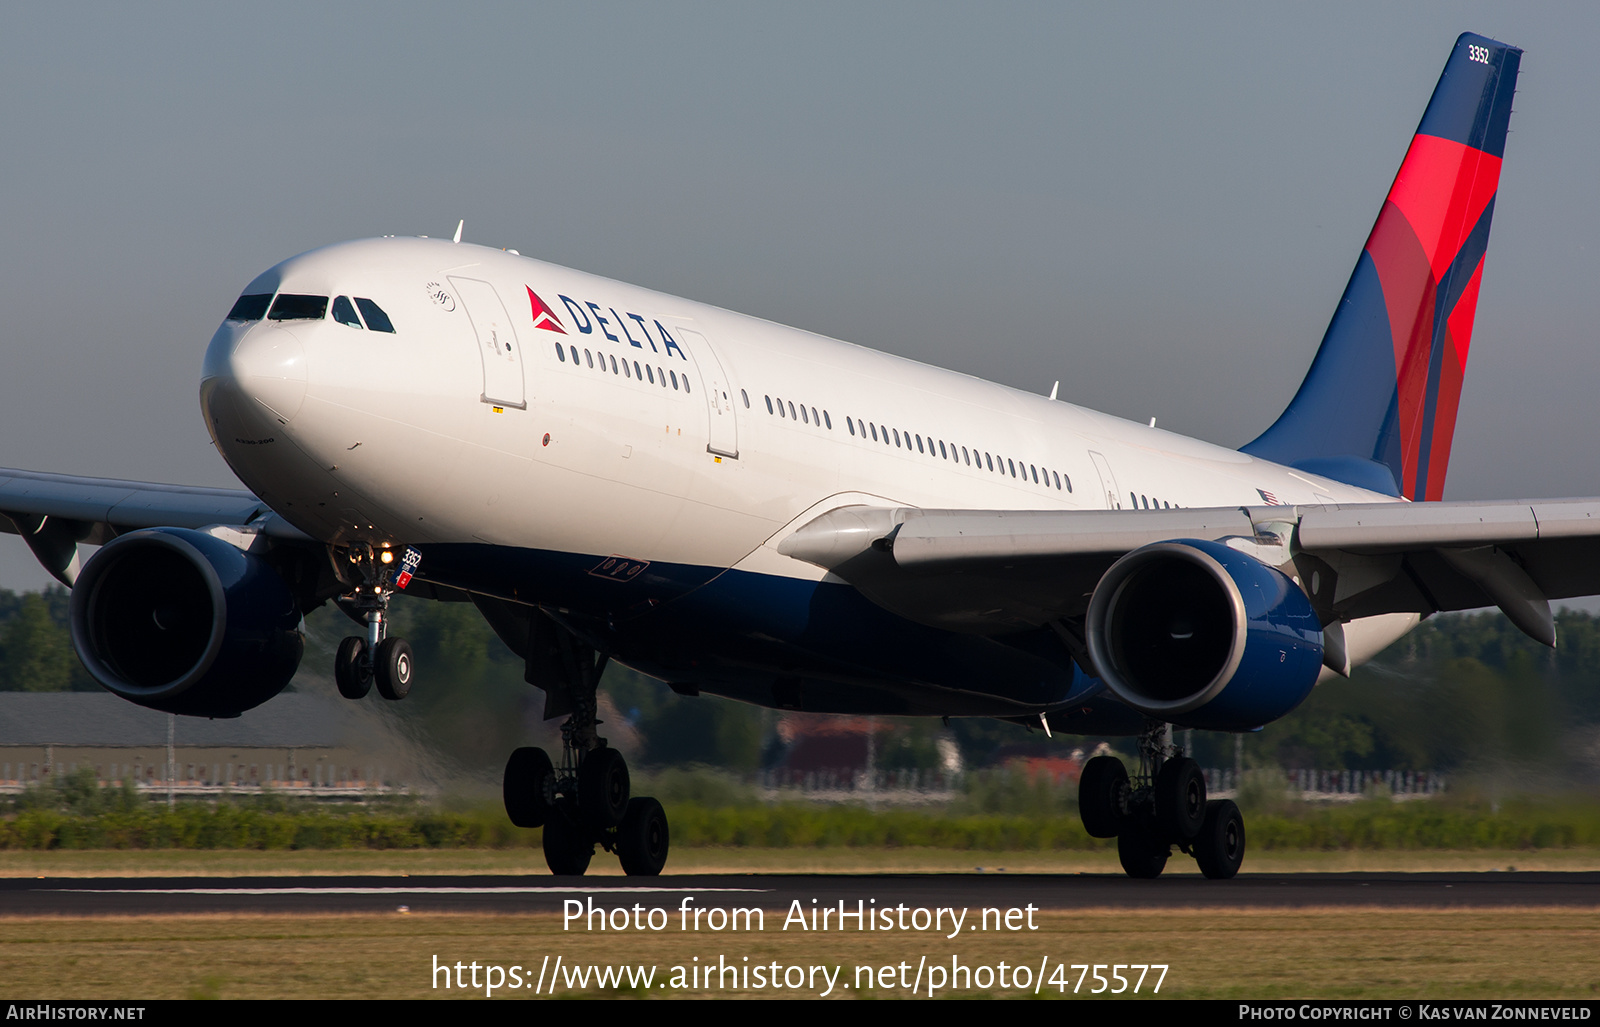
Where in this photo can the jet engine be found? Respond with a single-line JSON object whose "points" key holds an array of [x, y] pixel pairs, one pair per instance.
{"points": [[183, 622], [1202, 635]]}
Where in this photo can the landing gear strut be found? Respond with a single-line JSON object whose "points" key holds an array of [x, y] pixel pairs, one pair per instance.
{"points": [[1164, 805], [587, 799], [376, 659]]}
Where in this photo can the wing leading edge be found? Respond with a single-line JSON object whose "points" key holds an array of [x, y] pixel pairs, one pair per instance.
{"points": [[991, 571], [55, 512]]}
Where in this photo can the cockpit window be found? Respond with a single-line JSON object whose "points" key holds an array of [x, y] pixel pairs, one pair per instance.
{"points": [[376, 319], [291, 307], [344, 313], [250, 308]]}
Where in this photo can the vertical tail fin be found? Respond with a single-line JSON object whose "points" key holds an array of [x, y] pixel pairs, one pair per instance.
{"points": [[1378, 407]]}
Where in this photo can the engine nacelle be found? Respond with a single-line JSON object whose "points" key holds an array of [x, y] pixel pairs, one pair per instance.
{"points": [[1201, 635], [182, 622]]}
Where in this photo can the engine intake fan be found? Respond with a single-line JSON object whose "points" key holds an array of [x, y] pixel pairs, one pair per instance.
{"points": [[1202, 635], [182, 622]]}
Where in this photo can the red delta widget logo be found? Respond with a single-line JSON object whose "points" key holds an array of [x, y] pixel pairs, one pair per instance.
{"points": [[587, 317]]}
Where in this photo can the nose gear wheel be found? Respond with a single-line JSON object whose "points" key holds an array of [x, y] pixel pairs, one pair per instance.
{"points": [[376, 658]]}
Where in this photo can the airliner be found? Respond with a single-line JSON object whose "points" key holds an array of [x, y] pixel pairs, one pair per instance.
{"points": [[751, 511]]}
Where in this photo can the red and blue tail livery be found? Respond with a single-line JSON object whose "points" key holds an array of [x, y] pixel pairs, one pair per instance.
{"points": [[1378, 408]]}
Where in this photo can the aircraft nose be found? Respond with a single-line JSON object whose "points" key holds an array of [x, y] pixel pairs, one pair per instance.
{"points": [[268, 364]]}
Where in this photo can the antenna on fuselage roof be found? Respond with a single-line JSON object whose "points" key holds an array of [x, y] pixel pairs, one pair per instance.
{"points": [[1054, 387], [459, 226]]}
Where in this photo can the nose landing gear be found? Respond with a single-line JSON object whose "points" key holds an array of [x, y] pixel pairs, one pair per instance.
{"points": [[376, 658], [1164, 806]]}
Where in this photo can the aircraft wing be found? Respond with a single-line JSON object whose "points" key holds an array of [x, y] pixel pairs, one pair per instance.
{"points": [[55, 512], [991, 571]]}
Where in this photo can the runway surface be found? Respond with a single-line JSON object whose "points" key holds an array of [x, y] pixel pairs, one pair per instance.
{"points": [[145, 896]]}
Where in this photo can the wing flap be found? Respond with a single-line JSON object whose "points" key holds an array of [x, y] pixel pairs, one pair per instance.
{"points": [[1377, 527]]}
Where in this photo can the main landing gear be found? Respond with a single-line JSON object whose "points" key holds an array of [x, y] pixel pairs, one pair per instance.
{"points": [[376, 658], [1165, 806], [587, 800]]}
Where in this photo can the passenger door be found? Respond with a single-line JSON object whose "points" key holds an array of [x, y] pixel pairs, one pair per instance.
{"points": [[497, 343]]}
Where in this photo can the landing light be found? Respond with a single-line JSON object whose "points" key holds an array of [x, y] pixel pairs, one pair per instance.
{"points": [[387, 557]]}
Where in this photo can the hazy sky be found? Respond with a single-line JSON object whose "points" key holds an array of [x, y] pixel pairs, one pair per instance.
{"points": [[1157, 204]]}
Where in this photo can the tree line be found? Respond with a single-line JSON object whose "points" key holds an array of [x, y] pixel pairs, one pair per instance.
{"points": [[1461, 690]]}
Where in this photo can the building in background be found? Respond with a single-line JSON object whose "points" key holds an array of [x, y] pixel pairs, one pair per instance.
{"points": [[301, 743]]}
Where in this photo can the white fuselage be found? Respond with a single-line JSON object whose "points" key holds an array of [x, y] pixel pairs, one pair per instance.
{"points": [[485, 418]]}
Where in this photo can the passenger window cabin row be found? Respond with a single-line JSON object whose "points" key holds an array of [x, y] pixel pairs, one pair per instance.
{"points": [[929, 446], [598, 361], [812, 418], [777, 406]]}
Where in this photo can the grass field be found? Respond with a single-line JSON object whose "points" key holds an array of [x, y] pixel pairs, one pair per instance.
{"points": [[1327, 953], [1363, 953]]}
